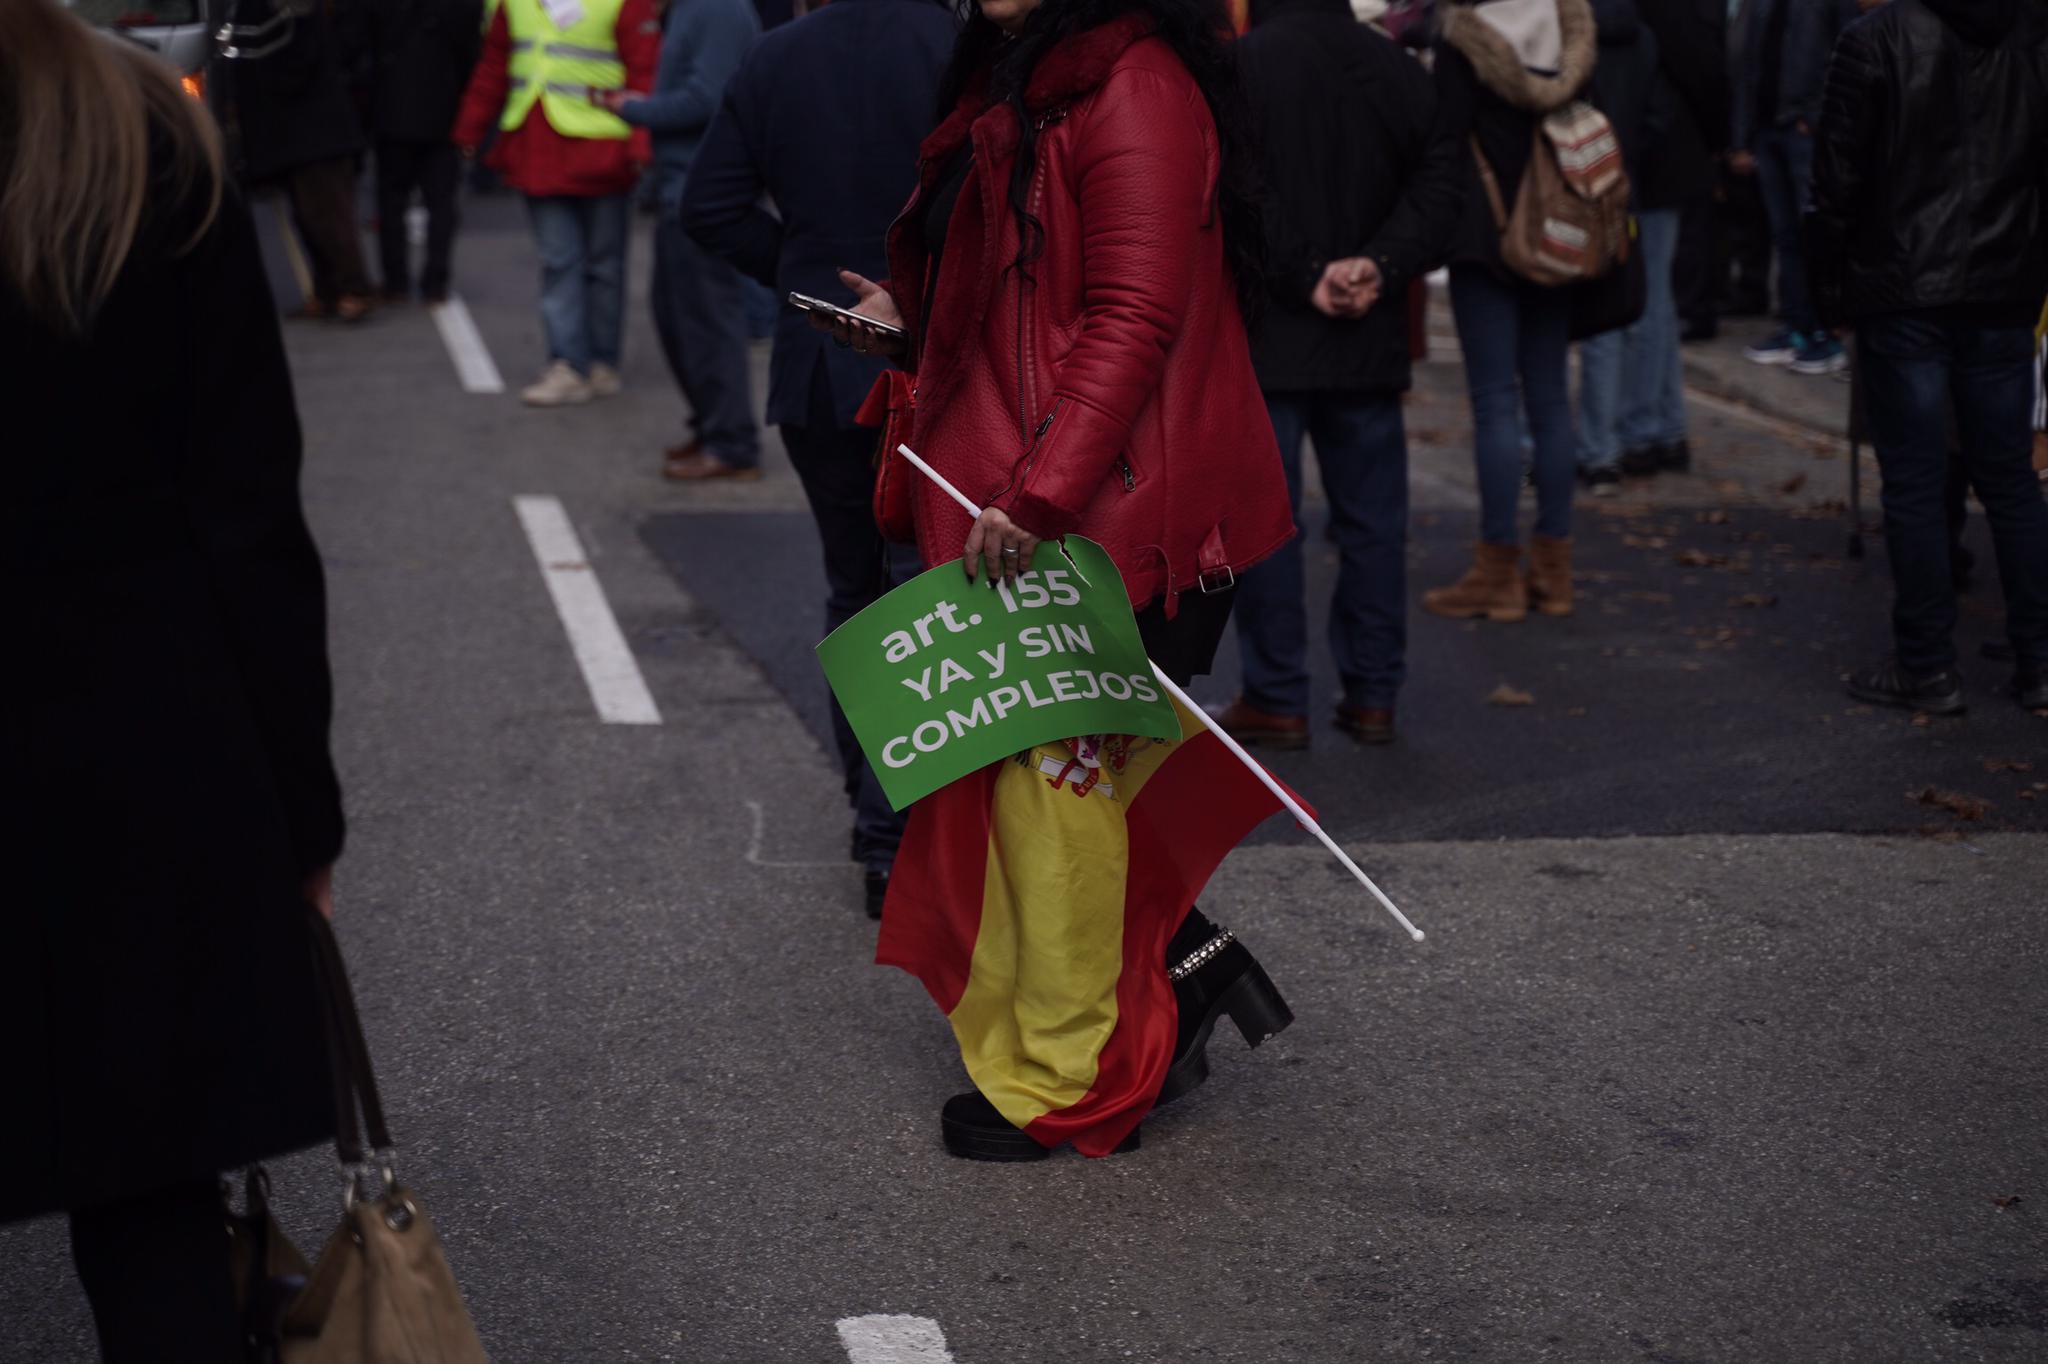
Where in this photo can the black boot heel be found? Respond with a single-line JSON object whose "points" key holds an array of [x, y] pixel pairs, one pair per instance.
{"points": [[1255, 1006]]}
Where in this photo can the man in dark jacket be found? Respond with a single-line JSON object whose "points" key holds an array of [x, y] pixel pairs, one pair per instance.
{"points": [[832, 142], [1777, 92], [421, 52], [1930, 188], [1364, 190]]}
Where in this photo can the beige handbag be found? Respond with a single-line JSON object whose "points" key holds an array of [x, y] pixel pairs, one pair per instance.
{"points": [[382, 1292]]}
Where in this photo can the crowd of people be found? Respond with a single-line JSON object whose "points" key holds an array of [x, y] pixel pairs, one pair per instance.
{"points": [[1109, 266]]}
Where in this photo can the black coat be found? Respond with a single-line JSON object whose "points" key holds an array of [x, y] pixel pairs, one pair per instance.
{"points": [[1692, 96], [420, 53], [1355, 163], [1930, 172], [1627, 86], [297, 106], [833, 143], [165, 720]]}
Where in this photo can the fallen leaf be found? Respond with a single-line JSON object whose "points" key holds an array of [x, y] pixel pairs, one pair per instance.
{"points": [[1757, 599], [2027, 795], [1716, 517], [2007, 1201], [1922, 720], [1792, 484], [1505, 695], [1995, 765], [1578, 712], [1955, 802], [1699, 558], [1645, 542]]}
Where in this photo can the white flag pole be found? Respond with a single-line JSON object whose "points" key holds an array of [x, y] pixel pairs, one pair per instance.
{"points": [[1173, 688]]}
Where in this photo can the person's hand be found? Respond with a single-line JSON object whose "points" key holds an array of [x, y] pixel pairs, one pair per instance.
{"points": [[1742, 162], [319, 891], [617, 100], [1348, 288], [998, 545], [468, 153], [874, 301]]}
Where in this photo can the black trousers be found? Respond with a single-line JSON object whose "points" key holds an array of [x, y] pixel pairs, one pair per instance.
{"points": [[432, 168], [323, 195], [155, 1269]]}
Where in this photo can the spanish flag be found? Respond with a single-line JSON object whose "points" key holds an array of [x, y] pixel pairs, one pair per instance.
{"points": [[1035, 899]]}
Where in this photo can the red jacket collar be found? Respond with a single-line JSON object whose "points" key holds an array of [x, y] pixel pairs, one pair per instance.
{"points": [[1078, 65]]}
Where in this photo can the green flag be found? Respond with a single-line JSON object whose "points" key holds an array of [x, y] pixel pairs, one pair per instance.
{"points": [[944, 675]]}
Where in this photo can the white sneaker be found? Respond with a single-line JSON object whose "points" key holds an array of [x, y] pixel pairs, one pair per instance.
{"points": [[605, 381], [560, 386]]}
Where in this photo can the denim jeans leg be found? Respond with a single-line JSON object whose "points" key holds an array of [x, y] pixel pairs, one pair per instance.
{"points": [[1653, 412], [558, 235], [1489, 321], [1362, 447], [1272, 610], [1544, 339], [710, 357], [1600, 367], [609, 217], [1905, 362], [1993, 384]]}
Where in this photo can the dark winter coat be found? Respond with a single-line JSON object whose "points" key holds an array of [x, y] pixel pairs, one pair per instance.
{"points": [[1109, 392], [1355, 163], [1811, 27], [1485, 94], [1930, 171], [420, 54], [1627, 85], [833, 144], [1692, 94], [297, 106], [165, 738]]}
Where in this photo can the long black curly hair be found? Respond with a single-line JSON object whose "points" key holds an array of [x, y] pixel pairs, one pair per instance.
{"points": [[1196, 30]]}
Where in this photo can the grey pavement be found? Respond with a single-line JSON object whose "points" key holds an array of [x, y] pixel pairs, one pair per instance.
{"points": [[1673, 1079]]}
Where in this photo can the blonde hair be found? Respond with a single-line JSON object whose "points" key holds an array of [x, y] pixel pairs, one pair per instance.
{"points": [[77, 113]]}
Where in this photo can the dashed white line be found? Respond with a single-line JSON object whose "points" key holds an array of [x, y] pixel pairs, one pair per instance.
{"points": [[473, 363], [608, 665], [894, 1340]]}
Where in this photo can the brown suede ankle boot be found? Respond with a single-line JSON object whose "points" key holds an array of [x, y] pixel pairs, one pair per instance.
{"points": [[1492, 588], [1550, 575]]}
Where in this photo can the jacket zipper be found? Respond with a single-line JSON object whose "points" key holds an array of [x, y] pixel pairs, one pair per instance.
{"points": [[1123, 466], [1025, 399]]}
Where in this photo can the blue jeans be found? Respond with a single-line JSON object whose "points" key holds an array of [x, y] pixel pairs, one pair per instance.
{"points": [[1917, 368], [1632, 381], [1784, 172], [700, 315], [1600, 364], [1362, 448], [1515, 336], [582, 243]]}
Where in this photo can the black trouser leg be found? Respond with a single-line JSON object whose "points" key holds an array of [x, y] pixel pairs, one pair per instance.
{"points": [[397, 170], [324, 205], [155, 1269], [440, 175]]}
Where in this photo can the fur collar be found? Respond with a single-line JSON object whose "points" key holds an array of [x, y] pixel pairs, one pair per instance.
{"points": [[1502, 72], [1074, 68]]}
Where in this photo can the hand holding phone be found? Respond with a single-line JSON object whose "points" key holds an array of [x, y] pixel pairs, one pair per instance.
{"points": [[873, 326]]}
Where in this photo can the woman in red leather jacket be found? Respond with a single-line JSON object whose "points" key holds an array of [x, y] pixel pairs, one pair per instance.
{"points": [[1069, 272]]}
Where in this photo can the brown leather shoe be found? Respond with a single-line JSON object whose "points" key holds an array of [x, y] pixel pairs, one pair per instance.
{"points": [[1254, 727], [1550, 575], [1493, 587], [696, 464], [1366, 724], [354, 307]]}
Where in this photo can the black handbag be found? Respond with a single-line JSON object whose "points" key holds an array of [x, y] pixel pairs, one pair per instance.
{"points": [[1617, 298]]}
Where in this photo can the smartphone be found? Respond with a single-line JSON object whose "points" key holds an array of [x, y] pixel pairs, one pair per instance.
{"points": [[806, 304]]}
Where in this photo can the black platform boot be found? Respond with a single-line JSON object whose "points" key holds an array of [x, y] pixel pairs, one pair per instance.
{"points": [[1212, 976]]}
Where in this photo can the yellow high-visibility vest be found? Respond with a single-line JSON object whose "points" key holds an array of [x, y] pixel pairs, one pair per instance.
{"points": [[558, 67]]}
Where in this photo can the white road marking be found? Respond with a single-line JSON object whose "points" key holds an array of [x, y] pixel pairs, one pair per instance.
{"points": [[894, 1340], [608, 665], [473, 363]]}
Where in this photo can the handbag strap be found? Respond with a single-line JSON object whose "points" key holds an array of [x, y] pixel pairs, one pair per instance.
{"points": [[355, 1083], [1492, 186]]}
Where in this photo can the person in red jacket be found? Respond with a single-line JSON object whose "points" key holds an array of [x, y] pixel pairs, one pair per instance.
{"points": [[1069, 271], [545, 68]]}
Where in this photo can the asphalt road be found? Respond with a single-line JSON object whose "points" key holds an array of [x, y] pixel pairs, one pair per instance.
{"points": [[1721, 1048]]}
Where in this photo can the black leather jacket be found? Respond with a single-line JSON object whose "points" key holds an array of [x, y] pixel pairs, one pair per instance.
{"points": [[1930, 172]]}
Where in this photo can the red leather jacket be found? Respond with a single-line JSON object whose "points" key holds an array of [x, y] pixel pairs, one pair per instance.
{"points": [[1110, 393]]}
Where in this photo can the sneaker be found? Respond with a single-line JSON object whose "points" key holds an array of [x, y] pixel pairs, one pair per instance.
{"points": [[1889, 684], [1669, 457], [1779, 348], [605, 382], [560, 386], [1821, 355], [1601, 480]]}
